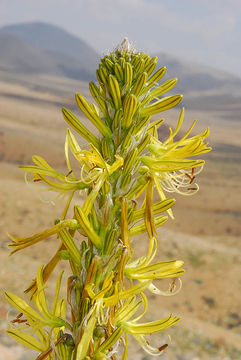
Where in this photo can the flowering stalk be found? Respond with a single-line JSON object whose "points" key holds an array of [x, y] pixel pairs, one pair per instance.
{"points": [[106, 288]]}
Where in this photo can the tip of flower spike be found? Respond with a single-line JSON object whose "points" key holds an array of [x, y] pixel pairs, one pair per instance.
{"points": [[126, 46]]}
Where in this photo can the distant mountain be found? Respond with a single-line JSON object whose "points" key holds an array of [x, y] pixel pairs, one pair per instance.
{"points": [[54, 39], [43, 48], [17, 56], [59, 52], [198, 78]]}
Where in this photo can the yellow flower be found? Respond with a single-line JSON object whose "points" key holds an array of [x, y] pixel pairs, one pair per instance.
{"points": [[142, 269], [37, 321], [139, 330], [169, 163], [105, 290]]}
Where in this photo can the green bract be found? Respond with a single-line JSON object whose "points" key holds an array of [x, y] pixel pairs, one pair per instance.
{"points": [[106, 290]]}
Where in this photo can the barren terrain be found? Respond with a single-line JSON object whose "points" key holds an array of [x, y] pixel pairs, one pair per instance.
{"points": [[205, 233]]}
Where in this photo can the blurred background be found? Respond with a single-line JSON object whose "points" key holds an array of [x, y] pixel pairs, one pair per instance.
{"points": [[48, 51]]}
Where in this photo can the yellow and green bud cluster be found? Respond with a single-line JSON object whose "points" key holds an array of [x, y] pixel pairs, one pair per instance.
{"points": [[123, 170]]}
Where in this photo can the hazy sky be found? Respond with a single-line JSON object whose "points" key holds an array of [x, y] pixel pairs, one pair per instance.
{"points": [[204, 31]]}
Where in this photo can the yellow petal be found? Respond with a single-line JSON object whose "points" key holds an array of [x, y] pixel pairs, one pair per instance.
{"points": [[83, 345], [56, 295], [71, 246], [23, 242], [112, 339], [23, 307], [26, 340], [150, 327], [86, 226]]}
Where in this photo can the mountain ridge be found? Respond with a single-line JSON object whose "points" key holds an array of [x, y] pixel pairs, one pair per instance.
{"points": [[70, 56], [43, 48]]}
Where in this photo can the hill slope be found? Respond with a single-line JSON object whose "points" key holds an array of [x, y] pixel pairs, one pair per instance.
{"points": [[43, 48], [54, 39], [195, 77], [16, 55], [67, 54]]}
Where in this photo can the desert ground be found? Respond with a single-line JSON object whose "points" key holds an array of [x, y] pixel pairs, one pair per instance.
{"points": [[205, 233]]}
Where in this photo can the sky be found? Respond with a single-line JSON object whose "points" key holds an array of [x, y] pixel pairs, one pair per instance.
{"points": [[204, 31]]}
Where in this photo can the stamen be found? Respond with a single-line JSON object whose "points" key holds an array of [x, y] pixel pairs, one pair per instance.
{"points": [[70, 172]]}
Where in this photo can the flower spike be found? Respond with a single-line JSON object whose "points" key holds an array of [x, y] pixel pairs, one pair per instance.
{"points": [[126, 162]]}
